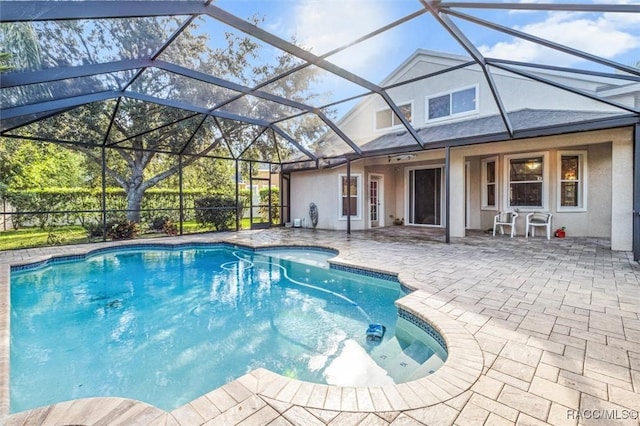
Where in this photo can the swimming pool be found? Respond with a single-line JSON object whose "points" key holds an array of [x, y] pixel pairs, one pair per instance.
{"points": [[166, 325]]}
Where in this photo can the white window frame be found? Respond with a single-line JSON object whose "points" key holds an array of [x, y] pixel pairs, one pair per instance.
{"points": [[582, 181], [451, 114], [393, 116], [485, 183], [358, 176], [545, 181]]}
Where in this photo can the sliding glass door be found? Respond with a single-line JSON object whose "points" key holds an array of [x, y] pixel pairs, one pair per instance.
{"points": [[425, 196]]}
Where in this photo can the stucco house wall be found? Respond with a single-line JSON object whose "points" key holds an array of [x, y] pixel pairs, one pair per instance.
{"points": [[609, 194], [322, 188], [517, 93], [596, 220], [606, 155]]}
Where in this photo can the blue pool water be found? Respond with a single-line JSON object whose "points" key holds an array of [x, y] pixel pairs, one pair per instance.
{"points": [[165, 326]]}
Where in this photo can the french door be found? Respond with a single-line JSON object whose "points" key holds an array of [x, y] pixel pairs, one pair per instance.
{"points": [[376, 200]]}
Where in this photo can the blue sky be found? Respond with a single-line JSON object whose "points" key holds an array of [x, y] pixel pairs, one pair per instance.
{"points": [[326, 24], [323, 25]]}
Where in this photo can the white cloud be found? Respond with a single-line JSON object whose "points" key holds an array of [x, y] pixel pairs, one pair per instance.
{"points": [[605, 35], [623, 20], [323, 25]]}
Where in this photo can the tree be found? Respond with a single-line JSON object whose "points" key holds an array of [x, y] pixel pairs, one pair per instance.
{"points": [[140, 129], [219, 211], [39, 165], [4, 62]]}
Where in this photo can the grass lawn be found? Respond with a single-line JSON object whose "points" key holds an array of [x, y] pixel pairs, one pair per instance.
{"points": [[36, 237]]}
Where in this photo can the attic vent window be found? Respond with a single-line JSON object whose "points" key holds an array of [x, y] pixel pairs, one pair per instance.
{"points": [[452, 104], [386, 119]]}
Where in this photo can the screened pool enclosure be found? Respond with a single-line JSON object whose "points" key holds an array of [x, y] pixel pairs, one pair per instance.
{"points": [[191, 111]]}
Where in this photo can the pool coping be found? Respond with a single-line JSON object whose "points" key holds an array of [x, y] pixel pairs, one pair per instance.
{"points": [[460, 371]]}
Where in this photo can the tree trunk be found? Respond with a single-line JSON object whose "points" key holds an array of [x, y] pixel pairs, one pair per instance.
{"points": [[135, 192], [134, 201]]}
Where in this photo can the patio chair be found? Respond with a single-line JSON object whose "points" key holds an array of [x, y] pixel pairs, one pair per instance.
{"points": [[535, 220], [503, 219]]}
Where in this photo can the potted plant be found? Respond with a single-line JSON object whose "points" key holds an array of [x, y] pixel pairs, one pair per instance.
{"points": [[561, 233]]}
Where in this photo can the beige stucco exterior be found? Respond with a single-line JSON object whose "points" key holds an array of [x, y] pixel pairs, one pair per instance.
{"points": [[608, 186], [516, 93], [605, 156]]}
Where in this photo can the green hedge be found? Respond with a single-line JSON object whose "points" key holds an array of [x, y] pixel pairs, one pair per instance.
{"points": [[75, 200]]}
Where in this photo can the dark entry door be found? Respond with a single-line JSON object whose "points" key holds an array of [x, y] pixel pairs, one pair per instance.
{"points": [[425, 196]]}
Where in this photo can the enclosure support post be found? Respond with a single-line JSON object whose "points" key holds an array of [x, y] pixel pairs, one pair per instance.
{"points": [[289, 197], [238, 209], [636, 192], [250, 194], [180, 184], [348, 196], [280, 196], [447, 194], [104, 193], [270, 204]]}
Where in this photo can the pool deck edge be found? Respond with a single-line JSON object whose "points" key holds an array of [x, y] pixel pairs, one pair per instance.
{"points": [[557, 323], [266, 385]]}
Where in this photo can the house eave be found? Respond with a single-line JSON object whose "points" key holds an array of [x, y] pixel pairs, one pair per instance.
{"points": [[585, 126]]}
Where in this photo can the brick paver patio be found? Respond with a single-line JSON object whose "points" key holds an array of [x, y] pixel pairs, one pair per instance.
{"points": [[543, 332]]}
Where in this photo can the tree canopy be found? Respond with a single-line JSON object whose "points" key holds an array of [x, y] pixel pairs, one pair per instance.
{"points": [[149, 142]]}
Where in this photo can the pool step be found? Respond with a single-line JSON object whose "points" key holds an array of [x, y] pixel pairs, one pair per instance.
{"points": [[408, 361], [403, 364], [426, 368], [386, 351]]}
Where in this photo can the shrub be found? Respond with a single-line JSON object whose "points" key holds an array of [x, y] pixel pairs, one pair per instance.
{"points": [[54, 239], [218, 211], [122, 230], [275, 204], [158, 223], [244, 199], [94, 229], [170, 228]]}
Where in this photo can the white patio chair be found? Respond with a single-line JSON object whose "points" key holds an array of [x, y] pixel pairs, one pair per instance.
{"points": [[503, 219], [535, 220]]}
